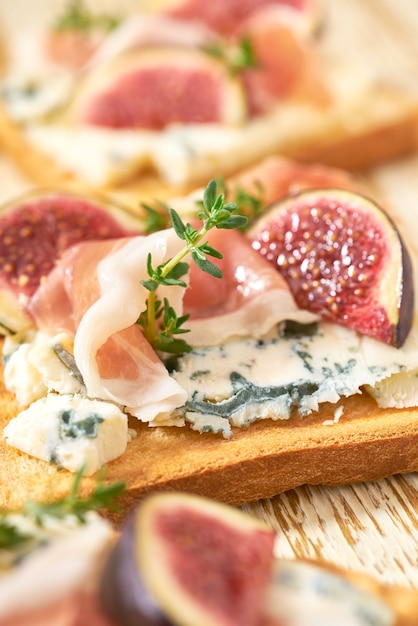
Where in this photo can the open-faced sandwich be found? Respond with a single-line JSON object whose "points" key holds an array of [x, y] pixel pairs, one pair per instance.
{"points": [[178, 559], [265, 339], [169, 98]]}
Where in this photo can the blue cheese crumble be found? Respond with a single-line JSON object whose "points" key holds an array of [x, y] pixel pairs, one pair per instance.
{"points": [[34, 366], [291, 369], [70, 431], [294, 368], [305, 594]]}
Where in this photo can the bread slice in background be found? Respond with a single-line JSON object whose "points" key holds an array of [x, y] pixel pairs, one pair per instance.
{"points": [[382, 124], [373, 116], [366, 443]]}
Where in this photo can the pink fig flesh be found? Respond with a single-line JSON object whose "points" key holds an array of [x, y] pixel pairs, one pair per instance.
{"points": [[156, 88], [189, 561], [343, 258], [35, 231]]}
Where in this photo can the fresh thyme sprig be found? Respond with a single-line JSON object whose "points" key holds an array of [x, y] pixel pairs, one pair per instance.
{"points": [[11, 536], [159, 321], [77, 17], [171, 325], [102, 497], [155, 218], [237, 58], [249, 204]]}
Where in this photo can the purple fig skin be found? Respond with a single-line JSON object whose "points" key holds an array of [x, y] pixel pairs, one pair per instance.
{"points": [[343, 258], [37, 228], [407, 303], [182, 559], [122, 594]]}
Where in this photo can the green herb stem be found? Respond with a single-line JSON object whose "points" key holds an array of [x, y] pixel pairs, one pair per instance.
{"points": [[159, 321], [188, 249], [150, 331]]}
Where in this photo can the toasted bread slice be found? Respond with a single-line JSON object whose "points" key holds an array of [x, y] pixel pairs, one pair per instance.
{"points": [[366, 443], [380, 125], [371, 116]]}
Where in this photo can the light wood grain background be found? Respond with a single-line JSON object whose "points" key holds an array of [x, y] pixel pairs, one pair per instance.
{"points": [[372, 528]]}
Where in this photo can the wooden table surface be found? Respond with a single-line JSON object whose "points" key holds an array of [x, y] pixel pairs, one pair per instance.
{"points": [[371, 528]]}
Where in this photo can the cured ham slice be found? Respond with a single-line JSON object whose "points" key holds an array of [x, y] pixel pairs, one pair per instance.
{"points": [[76, 609], [95, 293], [142, 30], [286, 67], [249, 300], [276, 177], [56, 584]]}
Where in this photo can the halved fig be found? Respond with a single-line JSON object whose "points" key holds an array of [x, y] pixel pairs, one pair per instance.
{"points": [[151, 88], [186, 560], [343, 258], [35, 230]]}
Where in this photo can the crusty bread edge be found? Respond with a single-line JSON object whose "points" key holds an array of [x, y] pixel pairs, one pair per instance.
{"points": [[382, 125], [365, 444]]}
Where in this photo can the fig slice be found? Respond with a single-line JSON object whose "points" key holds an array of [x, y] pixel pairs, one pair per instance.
{"points": [[151, 88], [186, 560], [35, 229], [343, 258]]}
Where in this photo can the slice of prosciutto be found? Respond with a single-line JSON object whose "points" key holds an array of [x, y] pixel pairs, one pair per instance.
{"points": [[275, 177], [248, 301], [96, 295], [287, 64], [226, 17]]}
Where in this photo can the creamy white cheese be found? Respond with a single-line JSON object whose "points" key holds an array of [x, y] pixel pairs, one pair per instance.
{"points": [[246, 380], [33, 368], [302, 594], [398, 391], [70, 431], [31, 97], [179, 153]]}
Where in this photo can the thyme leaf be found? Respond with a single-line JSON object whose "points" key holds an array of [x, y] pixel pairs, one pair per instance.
{"points": [[102, 497], [155, 219], [10, 536], [236, 57], [159, 321], [76, 16], [251, 204]]}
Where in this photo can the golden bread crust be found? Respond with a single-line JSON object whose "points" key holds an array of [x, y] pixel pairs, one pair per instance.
{"points": [[382, 125], [367, 443]]}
